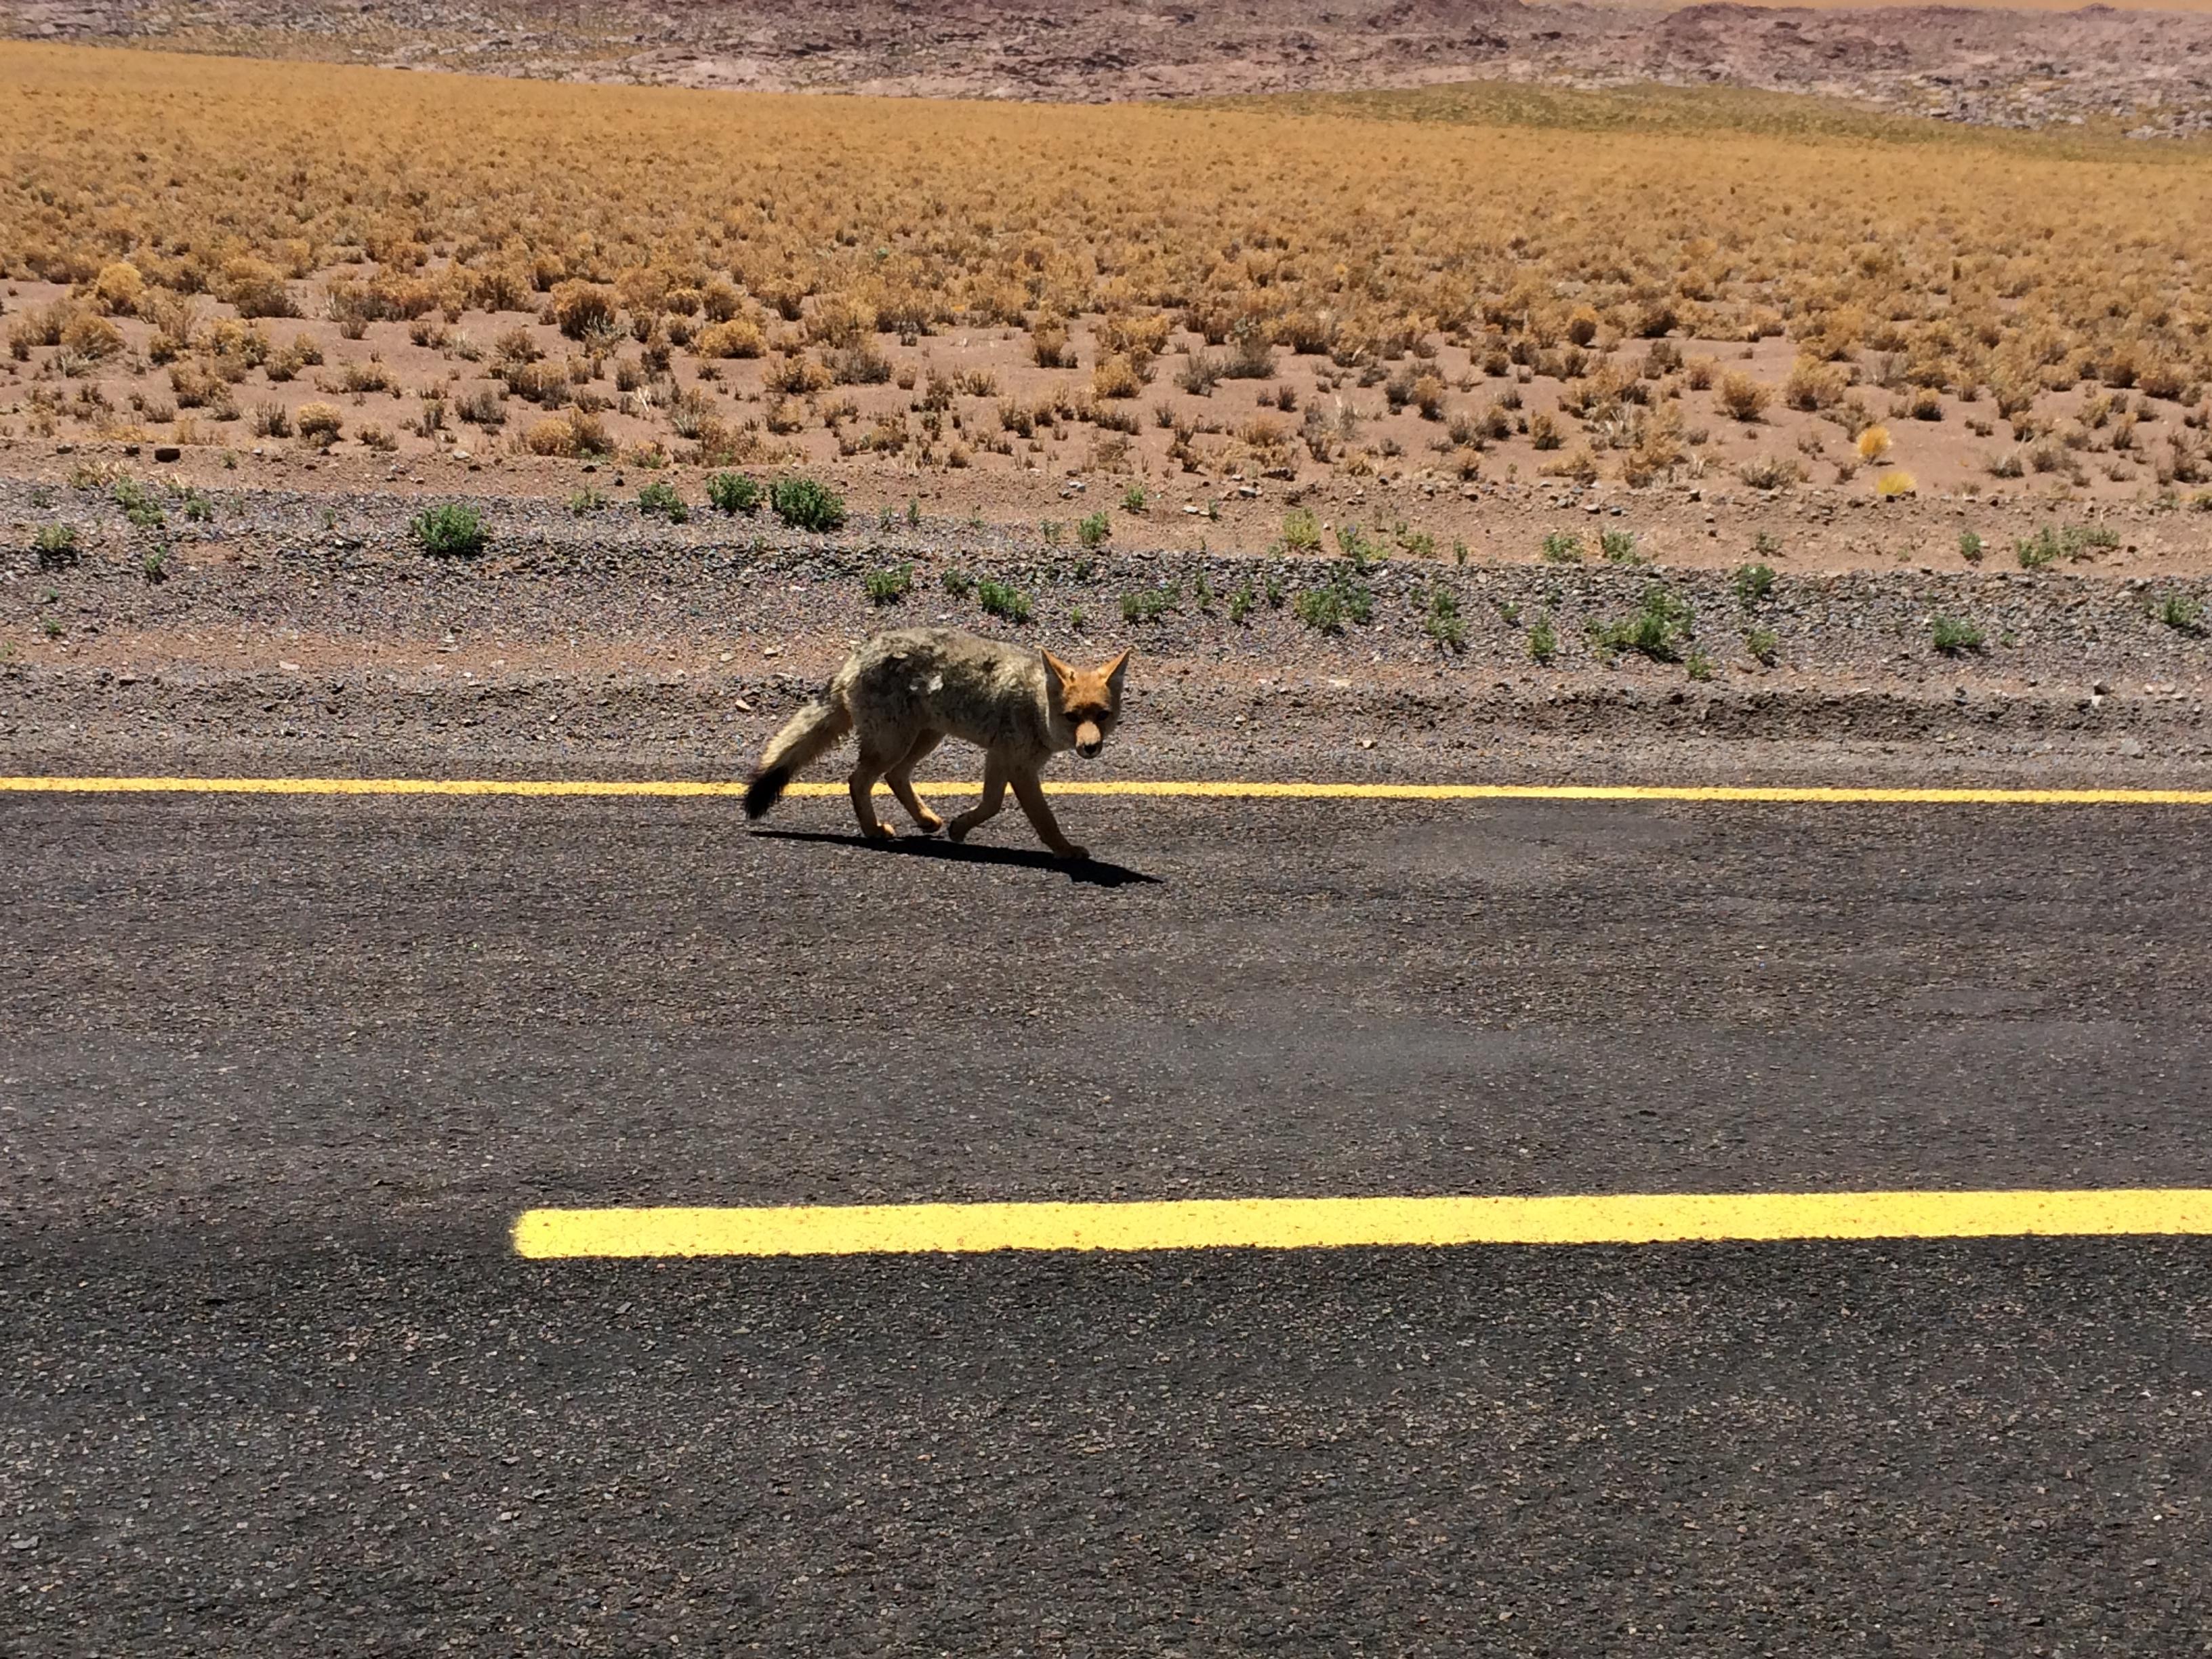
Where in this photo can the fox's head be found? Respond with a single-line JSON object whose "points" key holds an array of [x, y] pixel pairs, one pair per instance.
{"points": [[1087, 699]]}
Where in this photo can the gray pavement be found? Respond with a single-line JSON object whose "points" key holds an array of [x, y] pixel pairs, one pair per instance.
{"points": [[276, 1074]]}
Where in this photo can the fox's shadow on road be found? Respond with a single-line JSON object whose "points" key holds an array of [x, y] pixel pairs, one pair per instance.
{"points": [[1092, 872]]}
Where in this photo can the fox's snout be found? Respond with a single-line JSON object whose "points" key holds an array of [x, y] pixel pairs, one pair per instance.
{"points": [[1089, 740]]}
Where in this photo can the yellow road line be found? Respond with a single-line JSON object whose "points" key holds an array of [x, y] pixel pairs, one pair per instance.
{"points": [[1222, 789], [1296, 1224]]}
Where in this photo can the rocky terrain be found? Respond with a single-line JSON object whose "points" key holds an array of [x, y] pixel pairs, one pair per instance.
{"points": [[2144, 70], [292, 630]]}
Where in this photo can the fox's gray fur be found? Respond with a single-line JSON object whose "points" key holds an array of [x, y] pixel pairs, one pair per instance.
{"points": [[904, 693]]}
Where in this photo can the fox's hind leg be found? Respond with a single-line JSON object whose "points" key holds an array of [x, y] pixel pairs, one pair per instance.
{"points": [[872, 764], [995, 796], [901, 778]]}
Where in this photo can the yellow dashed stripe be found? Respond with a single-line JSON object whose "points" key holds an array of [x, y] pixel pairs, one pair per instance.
{"points": [[1222, 789], [1294, 1224]]}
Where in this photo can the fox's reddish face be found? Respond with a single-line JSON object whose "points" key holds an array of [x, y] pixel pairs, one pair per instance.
{"points": [[1087, 699]]}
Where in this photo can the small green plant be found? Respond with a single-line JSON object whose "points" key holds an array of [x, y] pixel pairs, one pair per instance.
{"points": [[1563, 547], [958, 583], [1699, 665], [1766, 545], [1092, 530], [1955, 636], [1359, 601], [1240, 603], [1970, 547], [1351, 542], [1442, 622], [1753, 583], [1146, 604], [912, 513], [1275, 591], [885, 518], [807, 504], [140, 505], [2182, 614], [1075, 617], [1658, 628], [1302, 531], [1345, 598], [585, 500], [1320, 609], [56, 545], [1002, 599], [451, 530], [1762, 644], [890, 586], [155, 567], [51, 627], [1618, 547], [198, 509], [2035, 552], [733, 493], [1052, 529], [2083, 541], [658, 499], [1134, 499], [1543, 641], [1416, 544]]}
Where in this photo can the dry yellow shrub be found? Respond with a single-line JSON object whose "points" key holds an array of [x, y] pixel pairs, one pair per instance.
{"points": [[320, 423], [575, 433], [89, 335], [120, 289], [1742, 398], [740, 337], [1971, 259], [583, 309], [1116, 377], [255, 288]]}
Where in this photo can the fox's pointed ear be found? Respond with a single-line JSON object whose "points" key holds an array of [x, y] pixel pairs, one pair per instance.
{"points": [[1112, 671], [1059, 669]]}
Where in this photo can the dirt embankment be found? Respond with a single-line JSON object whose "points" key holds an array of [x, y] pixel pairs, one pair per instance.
{"points": [[2013, 68], [303, 633]]}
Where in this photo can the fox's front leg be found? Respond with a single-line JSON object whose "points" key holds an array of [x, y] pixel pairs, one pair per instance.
{"points": [[1031, 793]]}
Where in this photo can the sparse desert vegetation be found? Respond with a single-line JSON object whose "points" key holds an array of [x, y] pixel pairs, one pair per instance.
{"points": [[1574, 286]]}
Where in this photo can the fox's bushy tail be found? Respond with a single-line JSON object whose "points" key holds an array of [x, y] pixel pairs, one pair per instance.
{"points": [[810, 733]]}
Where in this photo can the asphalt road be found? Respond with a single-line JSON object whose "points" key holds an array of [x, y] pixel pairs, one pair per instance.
{"points": [[276, 1074]]}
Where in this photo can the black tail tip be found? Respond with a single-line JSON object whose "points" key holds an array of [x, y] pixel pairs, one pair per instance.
{"points": [[765, 790]]}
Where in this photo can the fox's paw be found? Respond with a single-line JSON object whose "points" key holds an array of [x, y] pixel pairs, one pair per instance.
{"points": [[882, 832], [929, 823], [957, 830]]}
